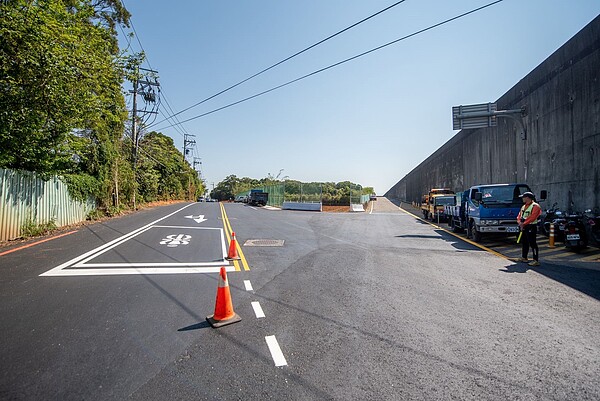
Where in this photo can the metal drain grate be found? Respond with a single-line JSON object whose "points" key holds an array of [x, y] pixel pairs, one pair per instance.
{"points": [[264, 242]]}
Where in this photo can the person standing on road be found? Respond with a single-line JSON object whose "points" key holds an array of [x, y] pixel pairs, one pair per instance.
{"points": [[528, 219]]}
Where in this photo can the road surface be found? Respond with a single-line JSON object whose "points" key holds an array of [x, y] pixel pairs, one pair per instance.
{"points": [[338, 306]]}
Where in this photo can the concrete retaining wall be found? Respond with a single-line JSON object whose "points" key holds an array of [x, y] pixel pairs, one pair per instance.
{"points": [[562, 151]]}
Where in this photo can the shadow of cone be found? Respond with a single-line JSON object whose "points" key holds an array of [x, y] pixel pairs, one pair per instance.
{"points": [[233, 253], [224, 313]]}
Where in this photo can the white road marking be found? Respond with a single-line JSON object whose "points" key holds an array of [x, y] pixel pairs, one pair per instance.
{"points": [[116, 240], [79, 265], [174, 240], [130, 271], [198, 219], [248, 285], [104, 248], [151, 264], [276, 353], [257, 310]]}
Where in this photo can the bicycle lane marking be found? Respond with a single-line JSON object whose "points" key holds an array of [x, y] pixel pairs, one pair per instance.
{"points": [[75, 266]]}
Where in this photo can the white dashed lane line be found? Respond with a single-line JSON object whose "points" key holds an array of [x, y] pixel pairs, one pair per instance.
{"points": [[257, 310], [276, 353], [272, 343]]}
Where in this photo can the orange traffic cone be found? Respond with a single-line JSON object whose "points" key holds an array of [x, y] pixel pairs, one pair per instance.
{"points": [[224, 313], [233, 253]]}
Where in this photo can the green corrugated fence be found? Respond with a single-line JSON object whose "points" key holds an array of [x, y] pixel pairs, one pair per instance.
{"points": [[24, 197]]}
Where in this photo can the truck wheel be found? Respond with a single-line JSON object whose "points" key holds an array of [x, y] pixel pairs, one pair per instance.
{"points": [[475, 235]]}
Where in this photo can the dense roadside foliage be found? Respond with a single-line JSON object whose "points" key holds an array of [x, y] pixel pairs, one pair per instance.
{"points": [[163, 174], [62, 106]]}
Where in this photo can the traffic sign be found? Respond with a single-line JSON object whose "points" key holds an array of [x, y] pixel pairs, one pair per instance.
{"points": [[474, 116]]}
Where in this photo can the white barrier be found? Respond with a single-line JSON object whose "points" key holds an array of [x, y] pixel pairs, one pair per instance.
{"points": [[312, 207], [357, 207]]}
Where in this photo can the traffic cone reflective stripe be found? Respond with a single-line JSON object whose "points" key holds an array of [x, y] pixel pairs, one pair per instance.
{"points": [[224, 313], [233, 253]]}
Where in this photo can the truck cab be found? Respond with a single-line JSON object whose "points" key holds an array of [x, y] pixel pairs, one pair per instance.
{"points": [[428, 204], [258, 198], [438, 207], [493, 209]]}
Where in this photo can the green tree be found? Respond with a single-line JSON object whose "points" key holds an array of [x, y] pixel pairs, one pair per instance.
{"points": [[227, 188], [62, 109], [163, 174]]}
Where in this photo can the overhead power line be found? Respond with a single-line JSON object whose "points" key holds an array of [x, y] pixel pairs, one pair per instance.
{"points": [[177, 124], [284, 60], [337, 64]]}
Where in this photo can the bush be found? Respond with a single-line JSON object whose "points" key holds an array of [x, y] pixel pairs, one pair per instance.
{"points": [[95, 214], [82, 186], [31, 229]]}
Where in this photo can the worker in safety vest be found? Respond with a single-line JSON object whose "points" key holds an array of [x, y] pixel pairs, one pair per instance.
{"points": [[528, 219]]}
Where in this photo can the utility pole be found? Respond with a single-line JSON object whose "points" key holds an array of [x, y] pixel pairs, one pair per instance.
{"points": [[144, 82], [188, 143], [134, 135], [198, 162]]}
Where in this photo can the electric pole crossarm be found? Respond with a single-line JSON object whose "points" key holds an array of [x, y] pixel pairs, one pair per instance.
{"points": [[142, 82]]}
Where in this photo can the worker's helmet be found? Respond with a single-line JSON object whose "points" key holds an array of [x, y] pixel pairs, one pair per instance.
{"points": [[529, 195]]}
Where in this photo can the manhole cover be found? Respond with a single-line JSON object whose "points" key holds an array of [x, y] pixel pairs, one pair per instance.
{"points": [[264, 242]]}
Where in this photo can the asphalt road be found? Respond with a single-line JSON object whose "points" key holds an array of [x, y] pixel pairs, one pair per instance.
{"points": [[375, 305]]}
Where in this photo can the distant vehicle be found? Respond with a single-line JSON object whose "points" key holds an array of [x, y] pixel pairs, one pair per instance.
{"points": [[258, 197], [201, 199], [240, 198]]}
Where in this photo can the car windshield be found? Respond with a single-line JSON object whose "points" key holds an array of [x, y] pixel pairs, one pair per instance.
{"points": [[507, 194], [446, 200]]}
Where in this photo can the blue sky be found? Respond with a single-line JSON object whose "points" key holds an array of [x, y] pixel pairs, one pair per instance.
{"points": [[369, 121]]}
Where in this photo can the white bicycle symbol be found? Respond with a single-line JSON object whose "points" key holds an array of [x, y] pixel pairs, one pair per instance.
{"points": [[175, 240]]}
